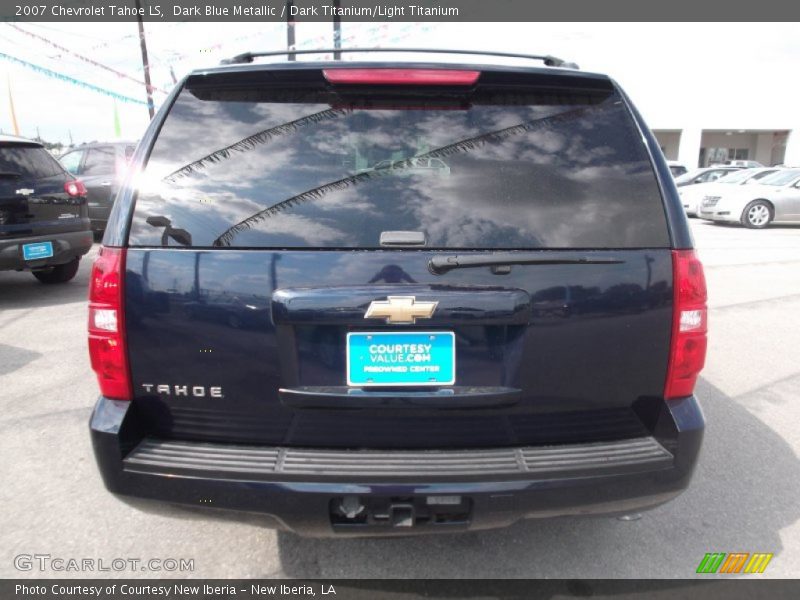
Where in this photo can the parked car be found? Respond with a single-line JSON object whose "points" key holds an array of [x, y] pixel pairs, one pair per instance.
{"points": [[414, 166], [774, 199], [692, 196], [747, 164], [44, 225], [520, 338], [703, 175], [101, 167], [677, 169]]}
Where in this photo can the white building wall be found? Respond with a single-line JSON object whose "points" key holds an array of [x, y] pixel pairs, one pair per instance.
{"points": [[670, 142], [689, 151], [793, 148], [763, 148]]}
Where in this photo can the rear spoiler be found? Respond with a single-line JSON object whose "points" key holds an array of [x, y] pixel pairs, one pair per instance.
{"points": [[548, 60]]}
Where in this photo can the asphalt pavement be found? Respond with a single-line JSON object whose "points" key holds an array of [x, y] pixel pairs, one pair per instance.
{"points": [[745, 496]]}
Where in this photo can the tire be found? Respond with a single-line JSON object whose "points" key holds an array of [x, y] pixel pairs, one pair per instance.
{"points": [[58, 273], [757, 214]]}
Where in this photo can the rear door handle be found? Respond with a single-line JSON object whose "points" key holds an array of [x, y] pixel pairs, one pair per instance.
{"points": [[105, 183]]}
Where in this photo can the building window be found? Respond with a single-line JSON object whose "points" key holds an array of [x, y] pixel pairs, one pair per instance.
{"points": [[718, 156], [738, 153]]}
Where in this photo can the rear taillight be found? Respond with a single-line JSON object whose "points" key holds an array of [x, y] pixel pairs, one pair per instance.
{"points": [[401, 76], [689, 325], [75, 188], [107, 324]]}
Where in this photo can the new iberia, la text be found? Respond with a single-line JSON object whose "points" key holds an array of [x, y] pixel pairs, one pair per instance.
{"points": [[177, 590]]}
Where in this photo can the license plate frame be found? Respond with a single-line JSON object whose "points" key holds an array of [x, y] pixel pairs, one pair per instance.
{"points": [[443, 346], [37, 250]]}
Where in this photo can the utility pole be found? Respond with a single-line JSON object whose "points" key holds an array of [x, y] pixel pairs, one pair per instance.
{"points": [[290, 28], [145, 62], [337, 30]]}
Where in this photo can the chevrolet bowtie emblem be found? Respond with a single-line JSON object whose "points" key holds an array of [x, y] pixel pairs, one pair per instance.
{"points": [[24, 191], [400, 310]]}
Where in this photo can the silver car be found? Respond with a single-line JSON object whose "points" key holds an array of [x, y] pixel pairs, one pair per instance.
{"points": [[692, 196], [704, 175], [775, 199]]}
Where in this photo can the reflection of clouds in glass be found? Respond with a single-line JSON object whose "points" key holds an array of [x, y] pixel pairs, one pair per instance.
{"points": [[200, 214], [509, 180], [252, 143], [465, 213], [234, 173], [578, 202], [352, 199], [296, 229], [182, 142]]}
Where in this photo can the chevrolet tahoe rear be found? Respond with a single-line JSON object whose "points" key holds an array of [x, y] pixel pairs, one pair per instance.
{"points": [[365, 298]]}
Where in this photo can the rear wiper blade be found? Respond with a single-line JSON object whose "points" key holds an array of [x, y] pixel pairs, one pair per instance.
{"points": [[463, 145], [439, 265], [10, 174]]}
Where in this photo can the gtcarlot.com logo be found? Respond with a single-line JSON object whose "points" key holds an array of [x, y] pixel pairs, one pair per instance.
{"points": [[48, 562], [734, 562]]}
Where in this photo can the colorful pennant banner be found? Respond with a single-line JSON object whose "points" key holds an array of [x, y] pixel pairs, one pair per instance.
{"points": [[72, 80], [85, 59]]}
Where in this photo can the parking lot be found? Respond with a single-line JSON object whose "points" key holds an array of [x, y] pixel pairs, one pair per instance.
{"points": [[744, 497]]}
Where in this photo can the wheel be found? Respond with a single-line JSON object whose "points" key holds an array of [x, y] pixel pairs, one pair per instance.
{"points": [[58, 273], [757, 214]]}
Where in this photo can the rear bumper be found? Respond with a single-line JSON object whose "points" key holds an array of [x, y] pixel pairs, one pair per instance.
{"points": [[439, 490], [66, 247]]}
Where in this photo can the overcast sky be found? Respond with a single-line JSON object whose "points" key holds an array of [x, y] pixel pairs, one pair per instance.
{"points": [[738, 75]]}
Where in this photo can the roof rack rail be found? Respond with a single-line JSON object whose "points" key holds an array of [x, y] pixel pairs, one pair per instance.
{"points": [[248, 57]]}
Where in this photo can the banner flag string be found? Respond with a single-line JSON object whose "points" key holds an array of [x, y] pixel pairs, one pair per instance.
{"points": [[85, 59], [67, 79]]}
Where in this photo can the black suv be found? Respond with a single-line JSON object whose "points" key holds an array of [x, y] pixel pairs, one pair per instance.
{"points": [[44, 225], [369, 298], [102, 168]]}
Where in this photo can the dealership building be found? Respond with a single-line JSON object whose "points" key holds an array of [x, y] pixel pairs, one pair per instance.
{"points": [[704, 147]]}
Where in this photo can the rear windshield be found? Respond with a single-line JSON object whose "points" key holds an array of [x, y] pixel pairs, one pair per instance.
{"points": [[279, 168], [27, 162]]}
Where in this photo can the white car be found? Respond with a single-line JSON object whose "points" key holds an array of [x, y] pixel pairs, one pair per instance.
{"points": [[747, 164], [775, 199], [704, 175], [692, 195]]}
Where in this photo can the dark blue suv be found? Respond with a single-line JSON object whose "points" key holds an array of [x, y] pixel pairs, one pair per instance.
{"points": [[367, 298], [44, 222]]}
